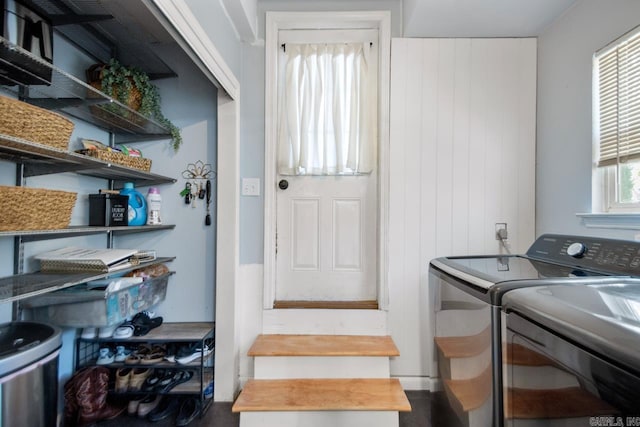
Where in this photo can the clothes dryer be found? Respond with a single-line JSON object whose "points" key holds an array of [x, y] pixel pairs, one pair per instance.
{"points": [[570, 355], [466, 296]]}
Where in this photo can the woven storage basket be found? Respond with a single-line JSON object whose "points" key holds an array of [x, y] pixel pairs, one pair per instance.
{"points": [[35, 124], [26, 208], [94, 77], [111, 113], [139, 163]]}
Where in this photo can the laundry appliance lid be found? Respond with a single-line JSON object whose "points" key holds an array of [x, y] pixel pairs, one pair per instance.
{"points": [[551, 256], [603, 318], [487, 271]]}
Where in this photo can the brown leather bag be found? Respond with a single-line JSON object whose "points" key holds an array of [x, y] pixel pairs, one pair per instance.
{"points": [[70, 404]]}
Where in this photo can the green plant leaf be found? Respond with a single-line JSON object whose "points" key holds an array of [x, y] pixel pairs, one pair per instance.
{"points": [[119, 81]]}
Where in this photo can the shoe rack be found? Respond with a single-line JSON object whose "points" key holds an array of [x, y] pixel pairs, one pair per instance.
{"points": [[176, 335]]}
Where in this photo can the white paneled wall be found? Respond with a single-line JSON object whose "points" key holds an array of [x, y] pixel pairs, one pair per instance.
{"points": [[462, 158]]}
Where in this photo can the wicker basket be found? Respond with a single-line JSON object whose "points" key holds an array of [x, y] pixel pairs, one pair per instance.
{"points": [[112, 114], [94, 77], [26, 121], [26, 208], [139, 163]]}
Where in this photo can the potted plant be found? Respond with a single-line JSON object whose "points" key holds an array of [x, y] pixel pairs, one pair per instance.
{"points": [[132, 87]]}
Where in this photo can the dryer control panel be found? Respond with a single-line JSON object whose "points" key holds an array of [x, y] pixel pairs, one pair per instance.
{"points": [[617, 257]]}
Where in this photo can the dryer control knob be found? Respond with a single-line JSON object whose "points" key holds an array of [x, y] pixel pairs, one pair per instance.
{"points": [[576, 250]]}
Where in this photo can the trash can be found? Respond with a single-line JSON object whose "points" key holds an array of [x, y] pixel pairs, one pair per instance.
{"points": [[29, 354]]}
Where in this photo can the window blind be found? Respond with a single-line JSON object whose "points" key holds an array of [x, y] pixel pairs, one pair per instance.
{"points": [[618, 69]]}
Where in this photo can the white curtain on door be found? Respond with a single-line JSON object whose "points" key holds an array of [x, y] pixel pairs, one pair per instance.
{"points": [[327, 110]]}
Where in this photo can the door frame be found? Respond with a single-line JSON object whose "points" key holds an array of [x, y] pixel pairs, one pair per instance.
{"points": [[275, 21], [186, 30]]}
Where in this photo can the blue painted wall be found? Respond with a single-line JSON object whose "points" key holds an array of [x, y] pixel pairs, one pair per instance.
{"points": [[215, 22], [564, 122]]}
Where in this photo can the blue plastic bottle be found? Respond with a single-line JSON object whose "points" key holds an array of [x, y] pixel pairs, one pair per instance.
{"points": [[137, 205]]}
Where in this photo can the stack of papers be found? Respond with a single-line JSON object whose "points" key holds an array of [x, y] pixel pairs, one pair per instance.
{"points": [[99, 260]]}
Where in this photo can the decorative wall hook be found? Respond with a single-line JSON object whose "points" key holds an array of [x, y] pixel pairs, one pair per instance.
{"points": [[198, 185], [198, 170]]}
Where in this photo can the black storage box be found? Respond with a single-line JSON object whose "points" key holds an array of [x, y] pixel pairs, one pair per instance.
{"points": [[108, 210]]}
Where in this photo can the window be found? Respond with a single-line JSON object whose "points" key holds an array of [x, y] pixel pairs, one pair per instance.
{"points": [[327, 106], [617, 122]]}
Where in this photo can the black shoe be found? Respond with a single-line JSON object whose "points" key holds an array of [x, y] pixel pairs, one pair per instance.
{"points": [[187, 353], [142, 323], [189, 409], [148, 404], [173, 379], [170, 355], [166, 408], [152, 380]]}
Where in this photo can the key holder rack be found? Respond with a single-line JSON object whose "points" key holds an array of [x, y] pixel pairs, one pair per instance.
{"points": [[198, 185], [198, 170]]}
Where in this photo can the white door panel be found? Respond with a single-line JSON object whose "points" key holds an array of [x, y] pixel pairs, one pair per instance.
{"points": [[347, 234], [304, 231], [326, 238]]}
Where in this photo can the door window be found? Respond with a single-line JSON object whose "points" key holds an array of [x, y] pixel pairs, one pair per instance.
{"points": [[327, 108]]}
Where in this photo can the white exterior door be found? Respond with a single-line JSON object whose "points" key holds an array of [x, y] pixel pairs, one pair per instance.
{"points": [[326, 238], [326, 235]]}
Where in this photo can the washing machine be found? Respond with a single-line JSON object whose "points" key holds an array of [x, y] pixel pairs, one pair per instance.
{"points": [[466, 295], [571, 355]]}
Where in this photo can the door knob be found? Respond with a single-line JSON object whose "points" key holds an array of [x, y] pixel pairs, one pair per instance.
{"points": [[283, 184]]}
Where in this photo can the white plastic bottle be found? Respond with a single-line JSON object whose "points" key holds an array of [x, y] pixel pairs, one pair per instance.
{"points": [[154, 203]]}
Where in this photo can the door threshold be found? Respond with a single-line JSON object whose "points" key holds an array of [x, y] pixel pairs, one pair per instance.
{"points": [[332, 305]]}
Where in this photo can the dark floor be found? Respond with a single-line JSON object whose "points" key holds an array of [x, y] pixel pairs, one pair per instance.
{"points": [[220, 415]]}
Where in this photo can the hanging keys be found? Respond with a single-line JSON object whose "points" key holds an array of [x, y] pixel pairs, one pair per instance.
{"points": [[186, 193], [194, 194]]}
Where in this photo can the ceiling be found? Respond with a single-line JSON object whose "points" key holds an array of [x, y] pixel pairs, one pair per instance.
{"points": [[439, 18], [134, 35], [480, 18]]}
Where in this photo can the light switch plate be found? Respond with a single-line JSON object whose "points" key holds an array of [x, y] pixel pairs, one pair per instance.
{"points": [[250, 186]]}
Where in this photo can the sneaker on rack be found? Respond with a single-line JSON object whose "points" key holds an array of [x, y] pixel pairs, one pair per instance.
{"points": [[125, 330], [168, 407], [188, 354], [208, 392], [105, 356], [189, 410], [89, 333], [107, 331], [170, 355], [209, 345], [121, 353], [148, 404], [172, 379]]}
